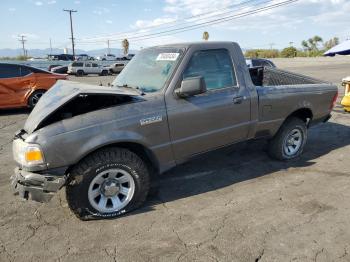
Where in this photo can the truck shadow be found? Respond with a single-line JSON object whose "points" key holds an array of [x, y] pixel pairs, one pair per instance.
{"points": [[15, 111], [241, 162]]}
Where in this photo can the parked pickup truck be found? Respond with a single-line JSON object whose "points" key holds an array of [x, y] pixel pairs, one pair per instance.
{"points": [[170, 103]]}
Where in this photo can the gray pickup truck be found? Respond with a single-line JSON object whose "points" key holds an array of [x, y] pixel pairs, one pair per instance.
{"points": [[170, 103]]}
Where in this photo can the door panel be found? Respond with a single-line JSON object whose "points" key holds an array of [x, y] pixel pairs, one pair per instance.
{"points": [[216, 118], [13, 86], [95, 68]]}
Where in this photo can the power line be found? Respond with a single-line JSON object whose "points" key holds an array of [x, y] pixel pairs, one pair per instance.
{"points": [[211, 22], [198, 17], [222, 20], [71, 27]]}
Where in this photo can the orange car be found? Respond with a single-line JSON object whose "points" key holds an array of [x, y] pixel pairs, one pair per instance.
{"points": [[22, 86]]}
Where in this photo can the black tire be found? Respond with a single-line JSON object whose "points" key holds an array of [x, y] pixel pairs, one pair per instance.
{"points": [[104, 73], [83, 174], [80, 73], [34, 98], [277, 144]]}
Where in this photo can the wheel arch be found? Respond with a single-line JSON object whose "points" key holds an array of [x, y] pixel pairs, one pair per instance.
{"points": [[140, 150], [34, 90], [304, 114]]}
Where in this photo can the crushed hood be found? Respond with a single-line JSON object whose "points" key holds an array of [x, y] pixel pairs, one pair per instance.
{"points": [[61, 93]]}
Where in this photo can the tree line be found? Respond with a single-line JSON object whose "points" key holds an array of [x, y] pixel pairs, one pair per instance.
{"points": [[312, 47]]}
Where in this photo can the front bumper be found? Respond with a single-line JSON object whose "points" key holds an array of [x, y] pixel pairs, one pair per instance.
{"points": [[37, 187]]}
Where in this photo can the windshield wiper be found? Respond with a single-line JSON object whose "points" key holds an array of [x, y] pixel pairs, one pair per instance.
{"points": [[139, 89]]}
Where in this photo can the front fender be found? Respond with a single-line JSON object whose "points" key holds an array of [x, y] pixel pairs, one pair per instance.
{"points": [[69, 148]]}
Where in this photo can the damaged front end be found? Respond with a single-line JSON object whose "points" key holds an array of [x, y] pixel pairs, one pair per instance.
{"points": [[35, 176], [36, 187], [69, 99]]}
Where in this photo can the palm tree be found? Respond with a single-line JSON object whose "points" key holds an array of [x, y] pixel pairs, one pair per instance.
{"points": [[305, 45], [314, 42], [125, 45], [317, 39], [205, 36]]}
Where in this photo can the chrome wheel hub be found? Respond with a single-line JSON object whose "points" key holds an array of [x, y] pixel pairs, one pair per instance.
{"points": [[111, 190], [293, 142]]}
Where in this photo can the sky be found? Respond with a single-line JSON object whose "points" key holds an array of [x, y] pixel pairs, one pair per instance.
{"points": [[141, 21]]}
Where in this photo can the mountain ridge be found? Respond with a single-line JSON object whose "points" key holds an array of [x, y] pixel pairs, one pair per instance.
{"points": [[9, 52]]}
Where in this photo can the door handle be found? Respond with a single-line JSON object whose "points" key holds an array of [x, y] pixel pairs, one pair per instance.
{"points": [[238, 99]]}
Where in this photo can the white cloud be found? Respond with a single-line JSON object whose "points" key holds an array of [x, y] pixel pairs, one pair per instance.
{"points": [[38, 3], [163, 40], [77, 2], [12, 9], [147, 10], [51, 2], [140, 24], [289, 16], [101, 11], [109, 21]]}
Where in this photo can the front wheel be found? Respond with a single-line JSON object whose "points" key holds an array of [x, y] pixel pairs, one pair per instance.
{"points": [[107, 184], [289, 141], [104, 73], [34, 98], [80, 73]]}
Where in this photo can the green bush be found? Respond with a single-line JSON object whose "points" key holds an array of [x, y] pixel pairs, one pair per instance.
{"points": [[19, 58], [262, 53], [289, 52]]}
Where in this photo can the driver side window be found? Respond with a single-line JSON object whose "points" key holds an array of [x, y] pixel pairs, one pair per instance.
{"points": [[215, 66]]}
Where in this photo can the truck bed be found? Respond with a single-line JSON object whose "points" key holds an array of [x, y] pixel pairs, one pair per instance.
{"points": [[266, 76]]}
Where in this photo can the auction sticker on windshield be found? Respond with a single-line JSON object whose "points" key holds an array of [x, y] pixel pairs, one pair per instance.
{"points": [[167, 56]]}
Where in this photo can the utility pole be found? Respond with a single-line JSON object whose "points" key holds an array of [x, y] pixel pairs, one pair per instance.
{"points": [[22, 40], [271, 45], [109, 52], [50, 47], [71, 27], [291, 44]]}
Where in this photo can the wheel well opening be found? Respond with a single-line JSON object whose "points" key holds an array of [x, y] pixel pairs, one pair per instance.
{"points": [[34, 92], [304, 114], [144, 153], [141, 151]]}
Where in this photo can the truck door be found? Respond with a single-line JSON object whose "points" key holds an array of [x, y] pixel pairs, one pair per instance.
{"points": [[219, 117]]}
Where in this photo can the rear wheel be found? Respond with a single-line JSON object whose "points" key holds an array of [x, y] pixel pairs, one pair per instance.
{"points": [[104, 73], [34, 98], [107, 184], [80, 73], [289, 141]]}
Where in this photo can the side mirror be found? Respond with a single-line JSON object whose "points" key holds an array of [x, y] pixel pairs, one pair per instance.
{"points": [[191, 86]]}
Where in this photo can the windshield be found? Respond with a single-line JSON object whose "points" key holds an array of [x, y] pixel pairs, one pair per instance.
{"points": [[149, 69]]}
